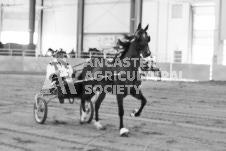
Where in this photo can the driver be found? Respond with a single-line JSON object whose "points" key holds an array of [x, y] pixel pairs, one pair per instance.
{"points": [[58, 71]]}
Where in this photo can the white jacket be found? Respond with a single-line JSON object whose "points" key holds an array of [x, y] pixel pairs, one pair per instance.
{"points": [[64, 69]]}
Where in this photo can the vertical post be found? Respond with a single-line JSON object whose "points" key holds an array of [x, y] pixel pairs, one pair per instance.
{"points": [[171, 67], [40, 30], [157, 33], [80, 26], [218, 43], [223, 20], [191, 20], [31, 23], [135, 14], [190, 39], [138, 12], [132, 16], [1, 19]]}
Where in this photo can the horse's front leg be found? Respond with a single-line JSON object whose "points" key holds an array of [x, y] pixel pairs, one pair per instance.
{"points": [[97, 106], [123, 131], [141, 97], [84, 114]]}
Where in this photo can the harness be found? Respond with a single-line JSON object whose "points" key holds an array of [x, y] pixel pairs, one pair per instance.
{"points": [[59, 62]]}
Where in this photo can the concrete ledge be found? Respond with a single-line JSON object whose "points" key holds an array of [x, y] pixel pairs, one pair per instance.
{"points": [[37, 66], [219, 73], [22, 72]]}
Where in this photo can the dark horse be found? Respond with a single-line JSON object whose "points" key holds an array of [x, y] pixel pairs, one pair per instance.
{"points": [[122, 77]]}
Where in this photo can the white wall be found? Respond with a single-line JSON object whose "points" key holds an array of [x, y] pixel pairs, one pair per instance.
{"points": [[105, 19], [223, 20], [168, 34], [203, 37], [224, 53], [107, 16], [150, 16], [59, 25], [178, 33], [15, 21]]}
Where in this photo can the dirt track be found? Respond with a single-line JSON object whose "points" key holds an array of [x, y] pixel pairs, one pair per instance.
{"points": [[178, 117]]}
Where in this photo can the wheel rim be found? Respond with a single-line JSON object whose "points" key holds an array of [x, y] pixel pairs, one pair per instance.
{"points": [[39, 110]]}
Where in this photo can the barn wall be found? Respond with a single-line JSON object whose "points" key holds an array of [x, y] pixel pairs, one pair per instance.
{"points": [[11, 63], [203, 34], [178, 33], [107, 16], [59, 25], [219, 72], [192, 71], [168, 34], [104, 22], [33, 65], [150, 11], [15, 21]]}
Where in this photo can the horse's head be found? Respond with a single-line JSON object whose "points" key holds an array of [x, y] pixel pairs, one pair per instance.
{"points": [[142, 38]]}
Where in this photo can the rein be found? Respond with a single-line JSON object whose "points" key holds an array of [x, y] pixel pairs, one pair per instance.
{"points": [[79, 64]]}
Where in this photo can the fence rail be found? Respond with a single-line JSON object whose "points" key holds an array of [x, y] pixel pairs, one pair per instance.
{"points": [[32, 53], [17, 52], [176, 71]]}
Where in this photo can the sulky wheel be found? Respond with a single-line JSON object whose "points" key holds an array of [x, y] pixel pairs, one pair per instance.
{"points": [[89, 112], [40, 111]]}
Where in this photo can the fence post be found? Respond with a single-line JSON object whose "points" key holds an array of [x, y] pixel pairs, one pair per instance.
{"points": [[211, 69], [23, 51], [105, 55]]}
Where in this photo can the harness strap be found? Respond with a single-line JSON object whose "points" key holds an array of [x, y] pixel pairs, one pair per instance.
{"points": [[62, 63]]}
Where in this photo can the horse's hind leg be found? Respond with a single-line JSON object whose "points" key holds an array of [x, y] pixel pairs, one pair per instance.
{"points": [[123, 131], [97, 106], [141, 97]]}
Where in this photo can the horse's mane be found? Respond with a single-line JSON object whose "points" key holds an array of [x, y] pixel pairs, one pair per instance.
{"points": [[125, 45]]}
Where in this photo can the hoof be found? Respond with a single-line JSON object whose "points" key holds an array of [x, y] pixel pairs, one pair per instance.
{"points": [[83, 117], [81, 122], [124, 132], [103, 128], [125, 135], [99, 126], [133, 114]]}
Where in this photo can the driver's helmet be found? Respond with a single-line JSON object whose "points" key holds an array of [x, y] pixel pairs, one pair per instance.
{"points": [[57, 54]]}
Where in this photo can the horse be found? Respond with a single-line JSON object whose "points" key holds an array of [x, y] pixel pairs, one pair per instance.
{"points": [[111, 77]]}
